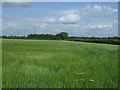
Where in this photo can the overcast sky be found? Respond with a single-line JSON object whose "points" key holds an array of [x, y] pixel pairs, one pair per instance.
{"points": [[76, 18]]}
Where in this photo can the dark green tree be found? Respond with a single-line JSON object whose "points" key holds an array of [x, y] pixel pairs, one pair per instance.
{"points": [[62, 35]]}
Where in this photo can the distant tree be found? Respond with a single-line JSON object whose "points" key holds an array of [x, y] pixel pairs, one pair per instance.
{"points": [[4, 36], [62, 35]]}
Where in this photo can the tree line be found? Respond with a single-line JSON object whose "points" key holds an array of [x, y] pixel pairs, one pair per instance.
{"points": [[64, 36], [59, 36]]}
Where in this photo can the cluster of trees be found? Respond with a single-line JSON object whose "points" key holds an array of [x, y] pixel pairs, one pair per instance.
{"points": [[64, 36], [59, 36], [106, 40], [13, 37], [72, 38]]}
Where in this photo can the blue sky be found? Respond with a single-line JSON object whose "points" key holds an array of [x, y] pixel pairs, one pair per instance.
{"points": [[99, 19]]}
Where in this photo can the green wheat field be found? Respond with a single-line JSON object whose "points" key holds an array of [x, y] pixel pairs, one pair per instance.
{"points": [[58, 64]]}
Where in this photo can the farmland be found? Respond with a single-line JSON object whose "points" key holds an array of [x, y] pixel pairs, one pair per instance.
{"points": [[0, 63], [58, 64]]}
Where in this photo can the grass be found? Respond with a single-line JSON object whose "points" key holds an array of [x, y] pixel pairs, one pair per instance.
{"points": [[59, 64], [0, 63]]}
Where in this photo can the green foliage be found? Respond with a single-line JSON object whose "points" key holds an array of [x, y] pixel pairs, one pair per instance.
{"points": [[42, 36], [62, 35], [59, 36], [111, 40], [14, 37], [58, 64]]}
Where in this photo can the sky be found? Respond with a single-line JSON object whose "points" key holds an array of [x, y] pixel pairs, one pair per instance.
{"points": [[89, 19]]}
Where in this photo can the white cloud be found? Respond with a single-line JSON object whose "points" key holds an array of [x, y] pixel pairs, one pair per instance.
{"points": [[115, 10], [115, 21], [72, 18], [99, 26], [67, 19], [50, 20], [90, 10], [98, 9], [43, 25], [66, 12]]}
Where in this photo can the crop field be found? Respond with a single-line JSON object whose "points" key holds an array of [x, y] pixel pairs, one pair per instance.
{"points": [[58, 64], [0, 63]]}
